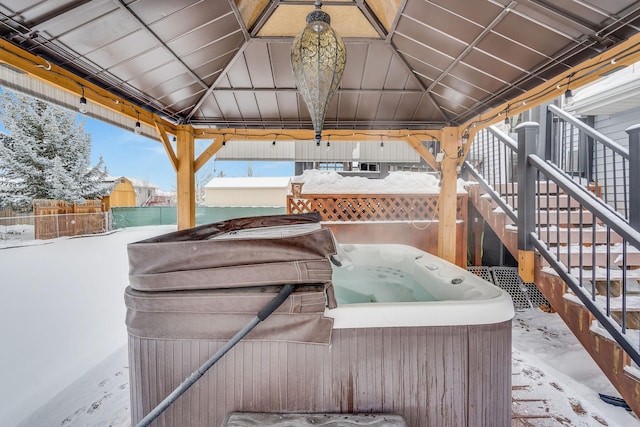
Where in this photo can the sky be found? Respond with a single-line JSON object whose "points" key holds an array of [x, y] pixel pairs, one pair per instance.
{"points": [[135, 156], [68, 353]]}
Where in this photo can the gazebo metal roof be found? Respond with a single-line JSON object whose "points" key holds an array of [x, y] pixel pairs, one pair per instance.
{"points": [[411, 64]]}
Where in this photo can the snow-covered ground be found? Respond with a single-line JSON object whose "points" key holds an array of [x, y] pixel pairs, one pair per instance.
{"points": [[61, 313], [64, 357]]}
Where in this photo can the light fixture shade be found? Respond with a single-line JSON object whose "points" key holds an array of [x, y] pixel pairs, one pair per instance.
{"points": [[82, 106], [318, 57], [568, 95]]}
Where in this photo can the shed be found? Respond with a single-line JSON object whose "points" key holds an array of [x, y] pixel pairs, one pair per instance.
{"points": [[247, 191], [123, 194]]}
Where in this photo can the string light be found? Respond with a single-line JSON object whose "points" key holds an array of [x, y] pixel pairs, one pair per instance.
{"points": [[82, 106], [137, 129], [568, 95]]}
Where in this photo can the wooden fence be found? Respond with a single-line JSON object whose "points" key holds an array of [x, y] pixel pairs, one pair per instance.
{"points": [[55, 218], [410, 219]]}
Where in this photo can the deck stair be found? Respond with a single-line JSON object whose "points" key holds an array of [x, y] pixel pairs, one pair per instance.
{"points": [[570, 232]]}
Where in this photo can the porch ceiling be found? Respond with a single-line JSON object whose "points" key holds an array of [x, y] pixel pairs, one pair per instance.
{"points": [[411, 64]]}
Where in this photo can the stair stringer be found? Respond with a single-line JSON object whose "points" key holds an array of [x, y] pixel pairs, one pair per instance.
{"points": [[608, 355], [496, 220]]}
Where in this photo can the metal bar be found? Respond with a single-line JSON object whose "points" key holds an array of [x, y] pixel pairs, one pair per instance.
{"points": [[625, 186], [606, 178], [634, 176], [601, 211], [606, 141], [489, 190], [593, 262], [608, 275], [607, 323], [615, 182], [624, 286]]}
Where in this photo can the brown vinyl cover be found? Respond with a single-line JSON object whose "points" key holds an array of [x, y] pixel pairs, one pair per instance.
{"points": [[219, 314], [192, 259], [272, 273]]}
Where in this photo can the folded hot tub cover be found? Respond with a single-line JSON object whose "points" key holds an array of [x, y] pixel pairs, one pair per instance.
{"points": [[218, 314], [207, 282], [211, 256]]}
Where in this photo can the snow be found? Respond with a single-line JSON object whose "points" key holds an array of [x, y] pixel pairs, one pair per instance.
{"points": [[331, 182], [249, 182], [66, 364], [62, 313]]}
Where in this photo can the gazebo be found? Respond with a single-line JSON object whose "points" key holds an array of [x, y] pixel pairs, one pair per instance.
{"points": [[416, 70]]}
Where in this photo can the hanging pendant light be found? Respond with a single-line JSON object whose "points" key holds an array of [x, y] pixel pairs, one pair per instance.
{"points": [[318, 57]]}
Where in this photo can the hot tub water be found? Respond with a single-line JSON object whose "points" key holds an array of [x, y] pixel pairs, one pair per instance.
{"points": [[371, 283]]}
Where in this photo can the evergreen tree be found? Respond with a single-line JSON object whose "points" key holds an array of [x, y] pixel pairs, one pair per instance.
{"points": [[45, 154]]}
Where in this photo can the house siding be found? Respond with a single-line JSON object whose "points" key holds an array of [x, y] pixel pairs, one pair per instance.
{"points": [[617, 174]]}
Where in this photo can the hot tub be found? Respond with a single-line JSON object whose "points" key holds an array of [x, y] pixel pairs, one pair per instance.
{"points": [[437, 350], [401, 286]]}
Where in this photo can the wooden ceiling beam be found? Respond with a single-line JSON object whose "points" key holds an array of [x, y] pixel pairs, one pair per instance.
{"points": [[56, 76], [307, 134], [167, 146], [623, 54]]}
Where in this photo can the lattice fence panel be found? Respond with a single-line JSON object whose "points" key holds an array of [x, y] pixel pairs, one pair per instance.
{"points": [[358, 207]]}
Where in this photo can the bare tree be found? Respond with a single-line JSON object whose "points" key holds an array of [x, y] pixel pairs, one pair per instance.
{"points": [[202, 179]]}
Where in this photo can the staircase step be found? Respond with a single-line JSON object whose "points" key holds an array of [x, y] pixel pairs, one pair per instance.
{"points": [[564, 217], [570, 256], [597, 329], [632, 319], [543, 187], [562, 235], [632, 372], [615, 287], [615, 308], [552, 202], [607, 354], [599, 276]]}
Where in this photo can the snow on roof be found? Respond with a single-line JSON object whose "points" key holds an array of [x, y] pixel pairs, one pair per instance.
{"points": [[141, 183], [330, 182], [249, 182], [134, 181]]}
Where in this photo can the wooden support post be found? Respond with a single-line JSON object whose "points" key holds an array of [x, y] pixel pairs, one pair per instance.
{"points": [[447, 238], [186, 188]]}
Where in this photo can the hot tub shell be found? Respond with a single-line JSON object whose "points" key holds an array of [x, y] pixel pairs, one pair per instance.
{"points": [[431, 373]]}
